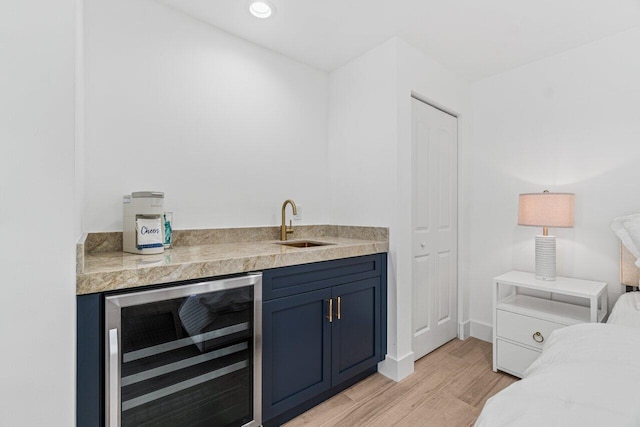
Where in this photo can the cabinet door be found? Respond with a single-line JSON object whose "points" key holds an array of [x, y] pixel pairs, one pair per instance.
{"points": [[296, 350], [356, 330]]}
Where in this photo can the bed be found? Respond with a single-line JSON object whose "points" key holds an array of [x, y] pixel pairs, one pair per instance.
{"points": [[587, 374]]}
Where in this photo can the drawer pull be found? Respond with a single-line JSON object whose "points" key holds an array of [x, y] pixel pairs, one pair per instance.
{"points": [[537, 337]]}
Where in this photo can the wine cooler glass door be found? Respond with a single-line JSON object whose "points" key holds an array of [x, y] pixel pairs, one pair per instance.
{"points": [[185, 356]]}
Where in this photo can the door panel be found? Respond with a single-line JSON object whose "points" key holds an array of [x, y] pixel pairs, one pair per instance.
{"points": [[445, 191], [356, 331], [444, 287], [434, 267], [421, 320], [422, 183], [296, 350]]}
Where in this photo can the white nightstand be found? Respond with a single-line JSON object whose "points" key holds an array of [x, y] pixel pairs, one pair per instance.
{"points": [[522, 323]]}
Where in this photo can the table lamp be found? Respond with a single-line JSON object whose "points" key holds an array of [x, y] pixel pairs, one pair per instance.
{"points": [[546, 210]]}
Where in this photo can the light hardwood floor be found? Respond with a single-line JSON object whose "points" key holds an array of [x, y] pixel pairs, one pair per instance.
{"points": [[448, 388]]}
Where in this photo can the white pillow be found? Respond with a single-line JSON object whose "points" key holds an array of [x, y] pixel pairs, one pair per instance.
{"points": [[633, 230], [627, 228], [626, 310]]}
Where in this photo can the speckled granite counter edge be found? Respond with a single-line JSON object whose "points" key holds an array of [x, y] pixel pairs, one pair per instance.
{"points": [[374, 240], [111, 241]]}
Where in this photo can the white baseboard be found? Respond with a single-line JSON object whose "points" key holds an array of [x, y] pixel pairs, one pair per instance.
{"points": [[464, 330], [397, 369], [482, 331]]}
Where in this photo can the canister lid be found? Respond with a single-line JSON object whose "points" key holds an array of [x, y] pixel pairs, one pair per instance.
{"points": [[141, 194]]}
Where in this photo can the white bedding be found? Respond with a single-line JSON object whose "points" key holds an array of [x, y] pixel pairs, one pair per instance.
{"points": [[587, 375], [626, 312]]}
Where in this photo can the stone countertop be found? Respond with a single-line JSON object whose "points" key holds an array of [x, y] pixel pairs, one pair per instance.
{"points": [[107, 271]]}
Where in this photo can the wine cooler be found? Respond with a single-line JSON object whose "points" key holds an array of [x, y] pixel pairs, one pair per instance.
{"points": [[186, 355]]}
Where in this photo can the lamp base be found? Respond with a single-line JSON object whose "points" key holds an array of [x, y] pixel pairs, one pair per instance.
{"points": [[546, 257]]}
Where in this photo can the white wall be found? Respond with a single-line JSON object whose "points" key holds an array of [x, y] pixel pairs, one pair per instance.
{"points": [[228, 130], [362, 134], [370, 162], [362, 157], [565, 123], [37, 320]]}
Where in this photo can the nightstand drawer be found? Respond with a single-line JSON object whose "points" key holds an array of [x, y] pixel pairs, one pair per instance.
{"points": [[520, 328], [513, 358]]}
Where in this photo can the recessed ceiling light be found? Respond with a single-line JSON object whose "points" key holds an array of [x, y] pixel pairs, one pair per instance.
{"points": [[261, 9]]}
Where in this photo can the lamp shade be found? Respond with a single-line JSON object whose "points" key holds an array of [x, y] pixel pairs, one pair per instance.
{"points": [[546, 209]]}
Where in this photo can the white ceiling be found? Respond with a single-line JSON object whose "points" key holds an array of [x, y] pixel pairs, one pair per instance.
{"points": [[473, 38]]}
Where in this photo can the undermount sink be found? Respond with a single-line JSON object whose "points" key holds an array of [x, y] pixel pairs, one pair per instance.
{"points": [[303, 243]]}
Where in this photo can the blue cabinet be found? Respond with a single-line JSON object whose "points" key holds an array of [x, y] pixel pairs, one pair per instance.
{"points": [[355, 343], [325, 331], [296, 352], [90, 361]]}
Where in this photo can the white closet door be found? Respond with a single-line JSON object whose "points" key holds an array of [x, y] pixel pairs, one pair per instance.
{"points": [[435, 152]]}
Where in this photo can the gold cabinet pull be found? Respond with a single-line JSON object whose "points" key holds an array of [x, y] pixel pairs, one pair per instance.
{"points": [[339, 307], [537, 337], [330, 316]]}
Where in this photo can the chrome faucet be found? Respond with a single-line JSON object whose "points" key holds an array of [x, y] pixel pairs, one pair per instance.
{"points": [[283, 228]]}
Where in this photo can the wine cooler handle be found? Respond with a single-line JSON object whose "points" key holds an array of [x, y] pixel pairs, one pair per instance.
{"points": [[114, 362]]}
